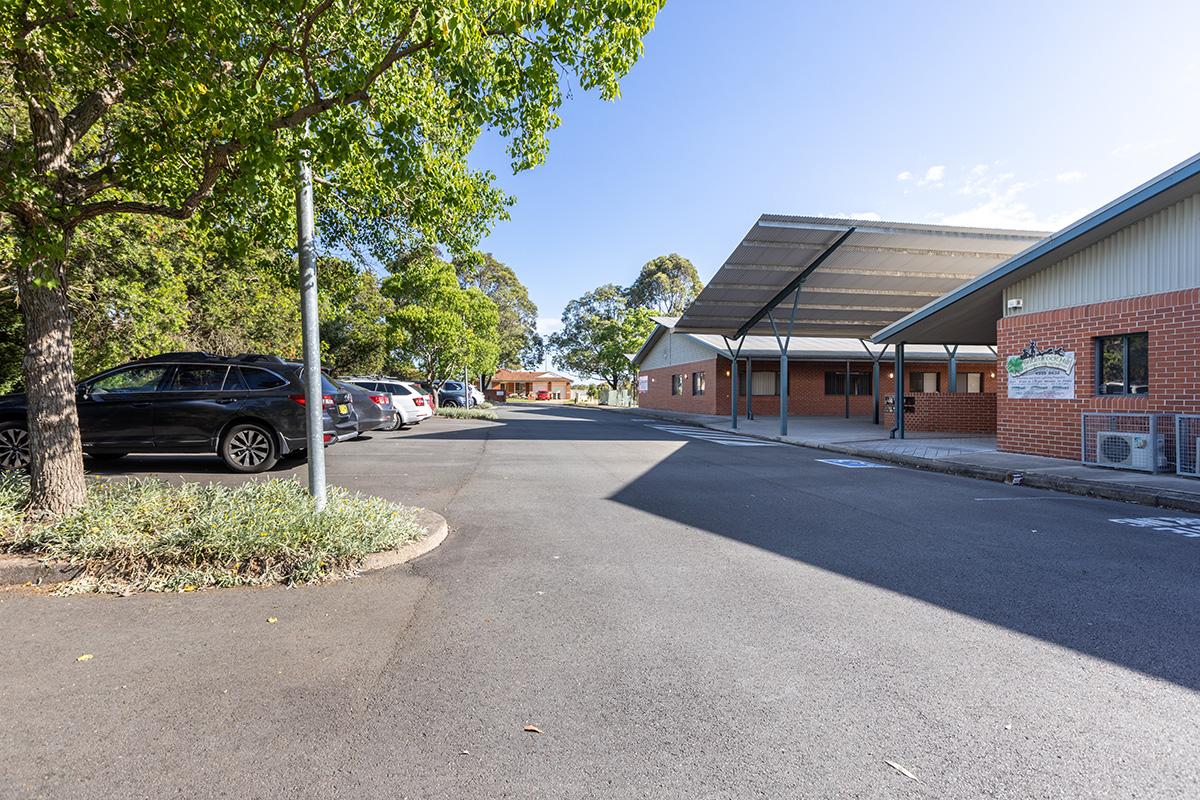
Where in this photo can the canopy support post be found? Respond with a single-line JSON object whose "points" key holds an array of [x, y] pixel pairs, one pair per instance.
{"points": [[784, 343], [898, 428], [749, 387], [952, 369], [734, 387], [875, 359]]}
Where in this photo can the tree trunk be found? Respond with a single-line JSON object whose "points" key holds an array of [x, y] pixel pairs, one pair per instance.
{"points": [[56, 471]]}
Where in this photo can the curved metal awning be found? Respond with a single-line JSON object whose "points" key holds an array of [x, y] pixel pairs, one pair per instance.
{"points": [[853, 276]]}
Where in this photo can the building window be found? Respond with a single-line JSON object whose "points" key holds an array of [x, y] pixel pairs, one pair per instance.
{"points": [[969, 383], [1123, 364], [676, 384], [860, 383], [766, 384], [697, 383], [923, 382]]}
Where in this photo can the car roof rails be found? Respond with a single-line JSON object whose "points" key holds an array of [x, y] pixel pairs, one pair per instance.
{"points": [[259, 357], [193, 355]]}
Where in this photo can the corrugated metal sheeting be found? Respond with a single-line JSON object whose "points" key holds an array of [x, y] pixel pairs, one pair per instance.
{"points": [[878, 274], [1161, 253]]}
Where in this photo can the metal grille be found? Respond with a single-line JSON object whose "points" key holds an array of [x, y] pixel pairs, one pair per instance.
{"points": [[1144, 442], [1187, 431]]}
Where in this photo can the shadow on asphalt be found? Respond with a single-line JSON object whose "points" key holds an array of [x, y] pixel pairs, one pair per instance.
{"points": [[1124, 595]]}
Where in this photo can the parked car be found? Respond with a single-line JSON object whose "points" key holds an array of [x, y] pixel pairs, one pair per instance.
{"points": [[409, 403], [372, 410], [542, 394], [450, 393], [248, 409]]}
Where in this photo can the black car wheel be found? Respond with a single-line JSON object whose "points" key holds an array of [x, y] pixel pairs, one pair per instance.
{"points": [[14, 448], [451, 404], [248, 448]]}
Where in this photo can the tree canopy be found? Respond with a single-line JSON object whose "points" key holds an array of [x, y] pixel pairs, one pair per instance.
{"points": [[161, 108], [666, 285], [599, 330], [439, 326], [519, 342]]}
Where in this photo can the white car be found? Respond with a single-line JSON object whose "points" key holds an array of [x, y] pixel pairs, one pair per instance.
{"points": [[410, 402]]}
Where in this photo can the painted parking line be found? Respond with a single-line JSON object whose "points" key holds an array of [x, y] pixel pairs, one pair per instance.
{"points": [[716, 437], [1187, 527], [854, 463]]}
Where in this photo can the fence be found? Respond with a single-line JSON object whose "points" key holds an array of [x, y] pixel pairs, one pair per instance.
{"points": [[1187, 430], [1144, 442]]}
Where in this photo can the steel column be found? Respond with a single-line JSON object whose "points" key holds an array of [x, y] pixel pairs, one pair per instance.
{"points": [[311, 336], [783, 392], [733, 372], [952, 368], [898, 428], [846, 389], [875, 392]]}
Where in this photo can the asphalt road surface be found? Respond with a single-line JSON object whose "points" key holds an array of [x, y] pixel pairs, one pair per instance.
{"points": [[680, 618]]}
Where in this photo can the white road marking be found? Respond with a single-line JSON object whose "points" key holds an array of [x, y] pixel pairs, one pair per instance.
{"points": [[1187, 527], [716, 437], [1025, 499]]}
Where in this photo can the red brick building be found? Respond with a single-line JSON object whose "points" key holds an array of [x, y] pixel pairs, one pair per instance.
{"points": [[507, 383], [1100, 319], [693, 373]]}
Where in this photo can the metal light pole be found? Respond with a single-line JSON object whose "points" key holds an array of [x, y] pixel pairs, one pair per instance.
{"points": [[313, 395]]}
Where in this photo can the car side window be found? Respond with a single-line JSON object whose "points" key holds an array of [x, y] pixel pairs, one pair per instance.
{"points": [[400, 389], [256, 379], [197, 379], [127, 381]]}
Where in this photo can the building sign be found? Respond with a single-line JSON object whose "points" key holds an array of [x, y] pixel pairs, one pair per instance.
{"points": [[643, 384], [1041, 373]]}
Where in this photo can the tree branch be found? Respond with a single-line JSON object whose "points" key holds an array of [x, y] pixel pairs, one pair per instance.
{"points": [[215, 164]]}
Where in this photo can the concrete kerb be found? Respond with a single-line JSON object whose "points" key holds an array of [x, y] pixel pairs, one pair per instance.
{"points": [[1127, 493], [22, 571]]}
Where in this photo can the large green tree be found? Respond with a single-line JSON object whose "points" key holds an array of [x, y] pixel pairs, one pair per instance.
{"points": [[599, 331], [163, 108], [439, 327], [519, 343], [666, 284]]}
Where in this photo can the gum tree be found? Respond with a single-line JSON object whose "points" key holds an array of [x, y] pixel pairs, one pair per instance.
{"points": [[599, 331], [667, 285], [163, 108]]}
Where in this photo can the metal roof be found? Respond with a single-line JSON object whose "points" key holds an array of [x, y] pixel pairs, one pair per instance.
{"points": [[855, 276], [807, 348], [969, 313]]}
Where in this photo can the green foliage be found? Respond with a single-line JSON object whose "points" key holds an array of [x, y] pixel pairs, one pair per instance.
{"points": [[438, 326], [458, 412], [599, 332], [520, 345], [354, 314], [145, 535], [666, 285]]}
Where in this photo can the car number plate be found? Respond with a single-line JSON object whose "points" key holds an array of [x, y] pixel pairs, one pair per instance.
{"points": [[343, 408]]}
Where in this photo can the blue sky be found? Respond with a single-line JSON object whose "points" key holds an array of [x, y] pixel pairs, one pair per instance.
{"points": [[1014, 114]]}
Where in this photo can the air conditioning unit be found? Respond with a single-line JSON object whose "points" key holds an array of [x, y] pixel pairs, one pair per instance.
{"points": [[1130, 451]]}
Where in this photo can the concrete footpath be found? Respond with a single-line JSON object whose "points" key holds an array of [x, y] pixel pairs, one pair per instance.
{"points": [[954, 454]]}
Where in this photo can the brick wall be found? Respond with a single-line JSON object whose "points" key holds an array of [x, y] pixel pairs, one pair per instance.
{"points": [[1052, 427], [806, 392], [715, 399], [950, 413]]}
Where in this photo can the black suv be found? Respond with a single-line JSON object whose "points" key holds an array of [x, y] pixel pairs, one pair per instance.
{"points": [[248, 409]]}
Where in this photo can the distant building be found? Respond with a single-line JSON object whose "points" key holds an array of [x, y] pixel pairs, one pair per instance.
{"points": [[516, 383]]}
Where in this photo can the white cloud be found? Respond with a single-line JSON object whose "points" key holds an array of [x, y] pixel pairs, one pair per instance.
{"points": [[1073, 176], [934, 174], [548, 325], [904, 176]]}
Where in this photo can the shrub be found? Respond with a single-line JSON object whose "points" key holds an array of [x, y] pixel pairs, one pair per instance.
{"points": [[144, 535], [457, 412]]}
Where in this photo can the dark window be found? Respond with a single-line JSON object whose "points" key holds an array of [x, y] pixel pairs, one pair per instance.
{"points": [[1123, 364], [257, 379], [197, 379], [923, 382], [697, 383], [860, 383], [133, 379], [676, 384], [969, 383]]}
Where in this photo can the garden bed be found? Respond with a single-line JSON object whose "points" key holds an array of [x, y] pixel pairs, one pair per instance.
{"points": [[145, 535]]}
